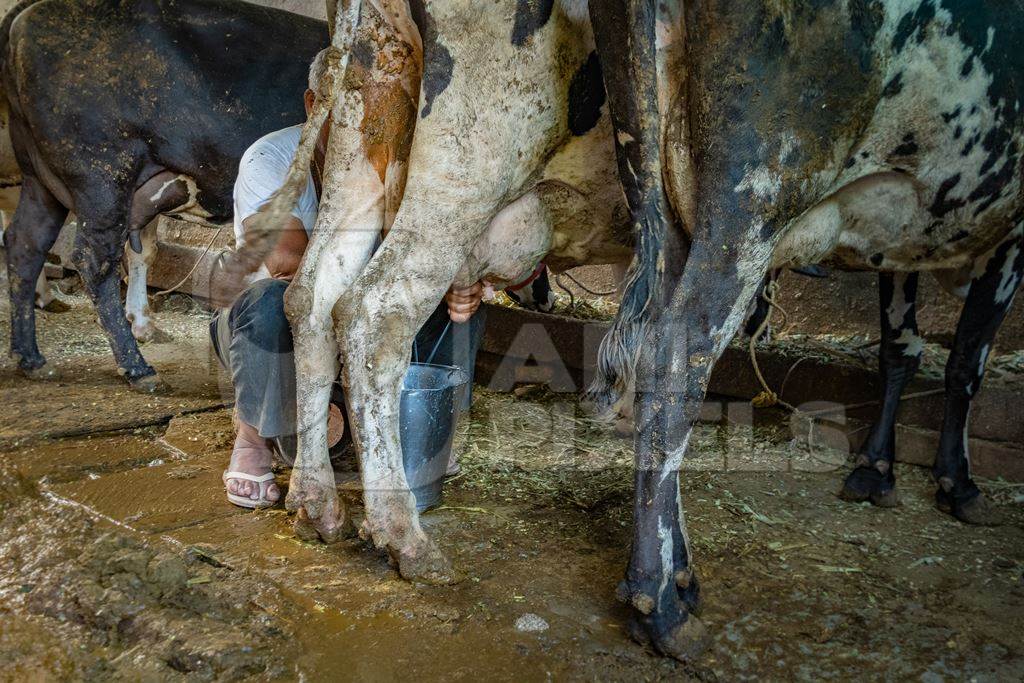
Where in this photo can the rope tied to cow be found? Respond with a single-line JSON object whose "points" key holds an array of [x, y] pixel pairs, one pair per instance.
{"points": [[164, 292], [767, 398]]}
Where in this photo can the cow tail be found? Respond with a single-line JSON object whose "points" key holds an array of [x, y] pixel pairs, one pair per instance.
{"points": [[617, 355], [261, 237]]}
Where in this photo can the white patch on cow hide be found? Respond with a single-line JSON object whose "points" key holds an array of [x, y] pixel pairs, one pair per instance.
{"points": [[912, 344], [576, 10], [674, 460], [665, 548], [763, 182]]}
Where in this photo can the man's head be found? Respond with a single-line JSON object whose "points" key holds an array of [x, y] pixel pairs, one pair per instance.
{"points": [[317, 69]]}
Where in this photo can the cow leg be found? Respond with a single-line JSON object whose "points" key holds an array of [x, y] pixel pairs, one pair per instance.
{"points": [[353, 198], [37, 222], [993, 286], [163, 192], [898, 359], [309, 302], [137, 299], [389, 302], [99, 248], [706, 310], [45, 300]]}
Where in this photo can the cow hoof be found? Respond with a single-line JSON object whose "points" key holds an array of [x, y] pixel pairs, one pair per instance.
{"points": [[316, 530], [45, 373], [151, 334], [868, 484], [975, 511], [150, 384], [55, 306], [686, 642], [425, 563]]}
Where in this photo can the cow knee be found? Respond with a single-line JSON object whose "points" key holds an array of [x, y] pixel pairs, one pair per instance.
{"points": [[298, 303]]}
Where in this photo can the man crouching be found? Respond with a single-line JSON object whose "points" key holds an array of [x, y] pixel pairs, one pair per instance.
{"points": [[252, 337]]}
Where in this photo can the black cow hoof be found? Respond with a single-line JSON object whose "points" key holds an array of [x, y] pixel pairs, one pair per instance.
{"points": [[686, 642], [868, 484], [150, 384], [975, 511], [46, 373]]}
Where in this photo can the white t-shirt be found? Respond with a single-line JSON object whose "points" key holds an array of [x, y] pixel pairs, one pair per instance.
{"points": [[263, 170]]}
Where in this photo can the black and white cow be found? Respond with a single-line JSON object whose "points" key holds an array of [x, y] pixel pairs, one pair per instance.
{"points": [[881, 136], [466, 186], [121, 111]]}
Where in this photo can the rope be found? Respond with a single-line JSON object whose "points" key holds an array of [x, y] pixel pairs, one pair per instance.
{"points": [[199, 260], [767, 398], [572, 297], [583, 286]]}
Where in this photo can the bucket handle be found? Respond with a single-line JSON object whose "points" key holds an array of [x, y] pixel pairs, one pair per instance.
{"points": [[437, 344]]}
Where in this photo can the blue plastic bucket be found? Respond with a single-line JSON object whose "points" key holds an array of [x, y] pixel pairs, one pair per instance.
{"points": [[431, 398]]}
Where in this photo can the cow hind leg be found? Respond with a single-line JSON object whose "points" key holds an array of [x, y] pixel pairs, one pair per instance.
{"points": [[899, 356], [309, 304], [673, 371], [45, 299], [163, 192], [37, 222], [991, 293], [389, 302], [99, 248], [137, 298]]}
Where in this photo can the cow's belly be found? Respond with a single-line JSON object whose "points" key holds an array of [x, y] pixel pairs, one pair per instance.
{"points": [[881, 222], [934, 178]]}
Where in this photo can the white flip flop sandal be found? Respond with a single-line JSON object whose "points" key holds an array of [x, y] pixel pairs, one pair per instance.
{"points": [[244, 501]]}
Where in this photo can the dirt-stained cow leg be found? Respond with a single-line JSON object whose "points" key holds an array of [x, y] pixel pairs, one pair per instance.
{"points": [[898, 359], [390, 300], [37, 222], [137, 299], [992, 289], [162, 192], [353, 198], [99, 247]]}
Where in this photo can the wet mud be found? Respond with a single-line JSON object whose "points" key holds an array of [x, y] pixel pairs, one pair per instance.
{"points": [[121, 559]]}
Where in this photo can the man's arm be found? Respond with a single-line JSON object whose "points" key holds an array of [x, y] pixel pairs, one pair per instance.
{"points": [[283, 262]]}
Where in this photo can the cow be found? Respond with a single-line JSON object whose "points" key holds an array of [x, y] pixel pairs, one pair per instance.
{"points": [[120, 112], [534, 293], [136, 264], [478, 141], [883, 136]]}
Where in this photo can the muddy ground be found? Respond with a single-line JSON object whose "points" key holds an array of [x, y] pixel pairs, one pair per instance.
{"points": [[121, 559]]}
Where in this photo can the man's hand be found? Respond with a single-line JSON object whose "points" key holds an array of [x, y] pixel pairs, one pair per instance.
{"points": [[283, 262], [463, 302]]}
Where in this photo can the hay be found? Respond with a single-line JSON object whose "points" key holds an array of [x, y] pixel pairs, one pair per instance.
{"points": [[600, 310]]}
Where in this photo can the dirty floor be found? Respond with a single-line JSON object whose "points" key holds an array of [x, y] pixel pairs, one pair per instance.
{"points": [[121, 559]]}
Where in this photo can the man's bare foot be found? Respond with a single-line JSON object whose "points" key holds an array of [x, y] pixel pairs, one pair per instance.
{"points": [[251, 455]]}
